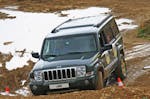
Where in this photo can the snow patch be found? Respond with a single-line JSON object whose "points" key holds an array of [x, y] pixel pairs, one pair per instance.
{"points": [[127, 27], [124, 20], [125, 24], [138, 51], [6, 49], [23, 91], [77, 13], [23, 82], [7, 94], [12, 7], [17, 62], [28, 30], [147, 67]]}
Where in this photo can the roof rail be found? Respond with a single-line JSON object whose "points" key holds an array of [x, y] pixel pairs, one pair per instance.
{"points": [[98, 24], [55, 29], [95, 25], [76, 26]]}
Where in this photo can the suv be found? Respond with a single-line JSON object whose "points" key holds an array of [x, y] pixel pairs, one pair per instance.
{"points": [[79, 54]]}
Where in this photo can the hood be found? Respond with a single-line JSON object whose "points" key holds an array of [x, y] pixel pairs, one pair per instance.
{"points": [[66, 61]]}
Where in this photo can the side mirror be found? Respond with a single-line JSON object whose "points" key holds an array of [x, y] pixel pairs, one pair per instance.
{"points": [[106, 47], [35, 55]]}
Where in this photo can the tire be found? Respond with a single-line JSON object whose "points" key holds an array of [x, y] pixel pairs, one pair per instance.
{"points": [[37, 93], [121, 70], [100, 82]]}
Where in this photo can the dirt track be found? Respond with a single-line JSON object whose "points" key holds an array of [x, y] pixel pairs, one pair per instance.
{"points": [[137, 79], [107, 93]]}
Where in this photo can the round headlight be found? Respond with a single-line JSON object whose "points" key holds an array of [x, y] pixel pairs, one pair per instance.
{"points": [[81, 71], [38, 75]]}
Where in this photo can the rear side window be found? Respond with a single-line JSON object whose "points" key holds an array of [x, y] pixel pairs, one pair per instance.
{"points": [[114, 27], [108, 34]]}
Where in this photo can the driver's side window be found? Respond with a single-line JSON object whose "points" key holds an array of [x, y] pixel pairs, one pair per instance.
{"points": [[102, 38]]}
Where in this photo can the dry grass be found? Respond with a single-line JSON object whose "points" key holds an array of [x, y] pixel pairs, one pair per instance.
{"points": [[5, 16], [13, 78]]}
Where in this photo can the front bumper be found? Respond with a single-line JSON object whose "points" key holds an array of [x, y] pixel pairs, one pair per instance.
{"points": [[77, 83]]}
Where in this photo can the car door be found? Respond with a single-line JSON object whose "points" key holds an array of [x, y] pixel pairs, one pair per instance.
{"points": [[106, 40], [118, 44]]}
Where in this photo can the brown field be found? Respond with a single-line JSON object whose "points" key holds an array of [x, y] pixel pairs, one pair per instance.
{"points": [[138, 10]]}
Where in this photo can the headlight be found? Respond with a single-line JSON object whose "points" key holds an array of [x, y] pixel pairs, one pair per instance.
{"points": [[81, 71], [38, 75]]}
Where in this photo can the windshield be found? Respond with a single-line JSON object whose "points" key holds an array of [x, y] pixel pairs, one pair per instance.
{"points": [[68, 45]]}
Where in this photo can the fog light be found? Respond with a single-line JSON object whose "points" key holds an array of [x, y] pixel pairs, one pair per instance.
{"points": [[89, 73], [86, 82], [34, 87]]}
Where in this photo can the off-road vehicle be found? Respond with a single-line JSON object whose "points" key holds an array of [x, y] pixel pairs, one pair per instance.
{"points": [[80, 53]]}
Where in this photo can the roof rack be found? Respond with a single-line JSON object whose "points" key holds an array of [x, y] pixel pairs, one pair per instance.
{"points": [[55, 29], [94, 25], [76, 26]]}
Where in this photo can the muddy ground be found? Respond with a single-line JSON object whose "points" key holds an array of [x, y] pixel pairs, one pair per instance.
{"points": [[138, 79]]}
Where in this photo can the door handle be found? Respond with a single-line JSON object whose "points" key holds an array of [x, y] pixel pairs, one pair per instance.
{"points": [[117, 44]]}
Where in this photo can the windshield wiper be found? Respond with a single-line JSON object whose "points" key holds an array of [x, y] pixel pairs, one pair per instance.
{"points": [[74, 52], [79, 52], [51, 55], [46, 56]]}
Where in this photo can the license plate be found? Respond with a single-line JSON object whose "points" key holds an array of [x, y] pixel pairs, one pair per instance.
{"points": [[59, 86]]}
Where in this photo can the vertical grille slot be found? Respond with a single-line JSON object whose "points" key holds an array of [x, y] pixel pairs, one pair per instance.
{"points": [[45, 76], [54, 74], [50, 75], [64, 73], [60, 74], [73, 72], [68, 73]]}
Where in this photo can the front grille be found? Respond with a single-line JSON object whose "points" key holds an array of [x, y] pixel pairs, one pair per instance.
{"points": [[60, 74]]}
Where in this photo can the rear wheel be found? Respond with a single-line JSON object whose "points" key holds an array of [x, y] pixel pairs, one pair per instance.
{"points": [[100, 82], [121, 70]]}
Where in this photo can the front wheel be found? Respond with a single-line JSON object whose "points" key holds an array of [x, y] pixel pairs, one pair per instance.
{"points": [[100, 82], [37, 93], [121, 70]]}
